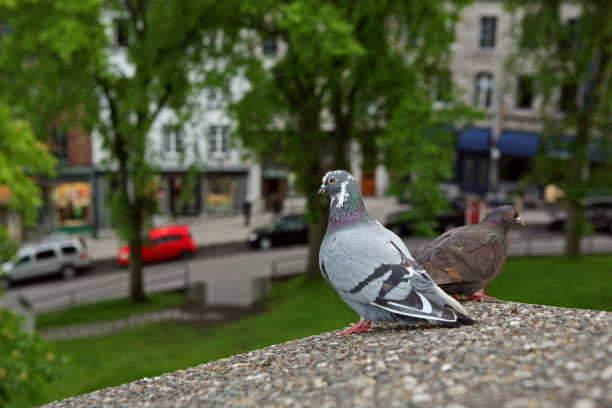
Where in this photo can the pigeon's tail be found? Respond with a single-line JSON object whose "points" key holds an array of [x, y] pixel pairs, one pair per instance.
{"points": [[456, 306], [450, 302]]}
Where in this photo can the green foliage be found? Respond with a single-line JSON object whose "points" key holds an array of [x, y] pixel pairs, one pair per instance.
{"points": [[419, 145], [572, 54], [60, 51], [353, 67], [27, 362], [22, 157]]}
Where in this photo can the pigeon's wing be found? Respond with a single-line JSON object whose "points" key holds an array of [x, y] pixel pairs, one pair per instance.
{"points": [[367, 267], [472, 254]]}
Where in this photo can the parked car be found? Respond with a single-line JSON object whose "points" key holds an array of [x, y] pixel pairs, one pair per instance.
{"points": [[598, 210], [55, 254], [400, 224], [169, 242], [291, 229]]}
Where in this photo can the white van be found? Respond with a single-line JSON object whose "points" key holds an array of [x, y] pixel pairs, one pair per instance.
{"points": [[56, 254]]}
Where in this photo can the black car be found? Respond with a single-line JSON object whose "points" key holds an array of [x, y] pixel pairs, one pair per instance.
{"points": [[597, 210], [400, 223], [291, 229]]}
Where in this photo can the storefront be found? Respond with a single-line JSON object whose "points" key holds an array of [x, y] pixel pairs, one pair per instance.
{"points": [[224, 192], [72, 204], [473, 159], [183, 193], [68, 202]]}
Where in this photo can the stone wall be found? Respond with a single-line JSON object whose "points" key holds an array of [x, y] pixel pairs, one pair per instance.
{"points": [[517, 355]]}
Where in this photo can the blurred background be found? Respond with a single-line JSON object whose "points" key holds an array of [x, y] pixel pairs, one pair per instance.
{"points": [[159, 162]]}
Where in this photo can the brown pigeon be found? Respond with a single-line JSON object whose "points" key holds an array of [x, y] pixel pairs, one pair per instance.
{"points": [[464, 260]]}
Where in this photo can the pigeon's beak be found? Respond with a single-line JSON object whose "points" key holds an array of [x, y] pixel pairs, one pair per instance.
{"points": [[519, 221], [322, 190]]}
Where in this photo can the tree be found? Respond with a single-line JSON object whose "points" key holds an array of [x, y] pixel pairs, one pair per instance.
{"points": [[60, 51], [570, 61], [346, 70], [22, 157]]}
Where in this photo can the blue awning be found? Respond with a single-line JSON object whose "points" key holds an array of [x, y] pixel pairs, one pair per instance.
{"points": [[518, 143], [474, 140]]}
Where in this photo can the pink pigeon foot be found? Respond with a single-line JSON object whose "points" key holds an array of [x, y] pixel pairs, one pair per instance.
{"points": [[360, 326], [478, 296]]}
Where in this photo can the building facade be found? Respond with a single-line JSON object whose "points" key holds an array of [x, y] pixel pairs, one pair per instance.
{"points": [[494, 153]]}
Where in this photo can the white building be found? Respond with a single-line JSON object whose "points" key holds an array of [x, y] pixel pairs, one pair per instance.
{"points": [[225, 178]]}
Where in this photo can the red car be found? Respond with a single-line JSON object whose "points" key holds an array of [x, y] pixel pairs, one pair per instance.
{"points": [[173, 241]]}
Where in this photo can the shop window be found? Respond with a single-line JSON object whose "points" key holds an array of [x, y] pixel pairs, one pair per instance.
{"points": [[270, 46], [483, 89], [221, 194], [475, 173], [524, 92], [487, 31], [72, 202], [59, 143], [184, 202], [513, 168], [172, 139], [218, 141]]}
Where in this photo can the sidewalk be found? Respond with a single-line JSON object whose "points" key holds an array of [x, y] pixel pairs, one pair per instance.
{"points": [[208, 231]]}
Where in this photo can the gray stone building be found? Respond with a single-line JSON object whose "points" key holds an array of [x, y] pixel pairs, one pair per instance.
{"points": [[494, 153]]}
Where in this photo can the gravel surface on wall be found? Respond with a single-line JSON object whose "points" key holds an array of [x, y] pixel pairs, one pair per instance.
{"points": [[518, 355]]}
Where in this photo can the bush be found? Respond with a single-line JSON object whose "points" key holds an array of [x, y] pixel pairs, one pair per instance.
{"points": [[26, 359]]}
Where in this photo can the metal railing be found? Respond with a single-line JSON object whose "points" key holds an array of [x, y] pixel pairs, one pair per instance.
{"points": [[112, 288]]}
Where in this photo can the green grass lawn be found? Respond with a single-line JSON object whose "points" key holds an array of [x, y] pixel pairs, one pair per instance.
{"points": [[585, 282], [108, 310], [298, 308]]}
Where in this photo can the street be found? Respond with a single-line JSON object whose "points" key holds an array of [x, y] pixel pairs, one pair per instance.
{"points": [[229, 271]]}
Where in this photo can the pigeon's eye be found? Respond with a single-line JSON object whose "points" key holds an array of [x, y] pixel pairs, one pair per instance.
{"points": [[331, 179], [511, 213]]}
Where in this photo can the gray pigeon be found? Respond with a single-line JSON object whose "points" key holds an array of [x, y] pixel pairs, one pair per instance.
{"points": [[371, 268], [466, 259]]}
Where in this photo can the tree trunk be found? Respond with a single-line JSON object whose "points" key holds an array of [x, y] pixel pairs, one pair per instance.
{"points": [[580, 158], [137, 294], [572, 229], [316, 232], [135, 221]]}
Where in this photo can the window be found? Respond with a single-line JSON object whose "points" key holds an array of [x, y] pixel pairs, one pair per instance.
{"points": [[218, 140], [121, 29], [59, 143], [270, 46], [215, 98], [69, 250], [524, 92], [23, 260], [487, 32], [572, 39], [483, 89], [42, 255], [567, 101], [172, 139]]}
